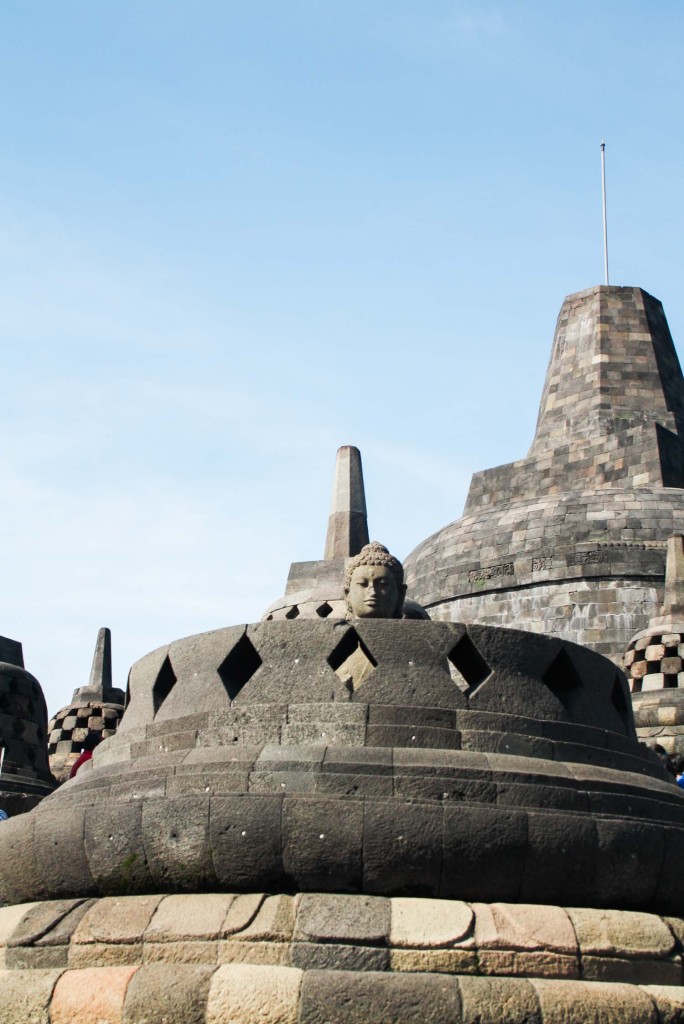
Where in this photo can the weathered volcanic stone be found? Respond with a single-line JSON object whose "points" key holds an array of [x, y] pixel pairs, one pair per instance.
{"points": [[571, 540], [538, 792]]}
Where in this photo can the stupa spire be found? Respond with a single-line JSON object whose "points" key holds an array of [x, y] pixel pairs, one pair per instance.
{"points": [[673, 603], [101, 671], [348, 520]]}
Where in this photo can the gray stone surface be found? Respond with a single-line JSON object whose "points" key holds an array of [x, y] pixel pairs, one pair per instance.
{"points": [[571, 540]]}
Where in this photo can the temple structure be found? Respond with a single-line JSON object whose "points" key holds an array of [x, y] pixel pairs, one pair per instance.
{"points": [[97, 708], [571, 540], [25, 776], [340, 815], [355, 819], [654, 662]]}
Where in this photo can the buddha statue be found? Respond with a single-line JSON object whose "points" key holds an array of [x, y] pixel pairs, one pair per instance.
{"points": [[374, 585]]}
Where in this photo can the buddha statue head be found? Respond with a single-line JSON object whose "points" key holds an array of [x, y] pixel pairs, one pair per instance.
{"points": [[374, 585]]}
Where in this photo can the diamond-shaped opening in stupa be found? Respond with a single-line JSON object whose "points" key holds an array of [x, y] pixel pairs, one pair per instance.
{"points": [[239, 666], [324, 610], [563, 680], [619, 701], [163, 684], [467, 667], [351, 660], [292, 612]]}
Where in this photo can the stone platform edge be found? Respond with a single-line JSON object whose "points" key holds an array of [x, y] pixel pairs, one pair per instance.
{"points": [[319, 931], [246, 993]]}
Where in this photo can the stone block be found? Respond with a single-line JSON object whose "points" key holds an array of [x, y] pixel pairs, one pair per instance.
{"points": [[510, 926], [347, 997], [104, 954], [188, 917], [245, 837], [632, 971], [621, 933], [40, 920], [160, 993], [60, 933], [25, 996], [585, 1002], [343, 919], [248, 992], [484, 852], [332, 956], [114, 847], [369, 760], [670, 1002], [206, 782], [498, 1001], [273, 922], [237, 951], [559, 866], [91, 994], [41, 957], [322, 842], [283, 782], [347, 784], [10, 919], [122, 919], [430, 924], [60, 852], [242, 912], [20, 875], [520, 963], [434, 961], [629, 861], [177, 848], [402, 848], [196, 951], [654, 652]]}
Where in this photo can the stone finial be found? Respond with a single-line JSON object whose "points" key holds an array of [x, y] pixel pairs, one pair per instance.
{"points": [[100, 683], [348, 521], [673, 603], [101, 671]]}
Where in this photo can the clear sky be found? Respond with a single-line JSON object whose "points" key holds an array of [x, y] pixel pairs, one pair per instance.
{"points": [[236, 235]]}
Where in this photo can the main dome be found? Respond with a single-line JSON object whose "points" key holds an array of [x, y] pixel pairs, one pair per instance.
{"points": [[571, 540]]}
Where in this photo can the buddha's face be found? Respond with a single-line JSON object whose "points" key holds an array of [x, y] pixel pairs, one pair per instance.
{"points": [[373, 592]]}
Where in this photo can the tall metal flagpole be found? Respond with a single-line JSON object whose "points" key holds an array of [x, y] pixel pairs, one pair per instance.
{"points": [[605, 220]]}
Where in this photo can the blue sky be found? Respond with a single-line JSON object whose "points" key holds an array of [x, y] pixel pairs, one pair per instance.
{"points": [[236, 235]]}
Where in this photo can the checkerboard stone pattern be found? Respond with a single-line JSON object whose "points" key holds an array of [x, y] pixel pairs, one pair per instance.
{"points": [[571, 540], [97, 707], [654, 662], [71, 725]]}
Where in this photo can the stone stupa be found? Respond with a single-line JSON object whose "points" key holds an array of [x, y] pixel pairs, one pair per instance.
{"points": [[25, 776], [354, 820], [571, 540], [95, 708], [654, 662]]}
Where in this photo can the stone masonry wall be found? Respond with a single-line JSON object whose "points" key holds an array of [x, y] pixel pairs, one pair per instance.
{"points": [[602, 614]]}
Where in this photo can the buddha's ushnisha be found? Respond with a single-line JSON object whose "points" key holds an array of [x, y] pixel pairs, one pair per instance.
{"points": [[374, 585]]}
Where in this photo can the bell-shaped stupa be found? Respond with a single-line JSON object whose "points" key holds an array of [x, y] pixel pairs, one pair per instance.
{"points": [[571, 540], [25, 776], [95, 708]]}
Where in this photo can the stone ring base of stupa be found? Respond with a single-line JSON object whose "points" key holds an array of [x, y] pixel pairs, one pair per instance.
{"points": [[340, 959]]}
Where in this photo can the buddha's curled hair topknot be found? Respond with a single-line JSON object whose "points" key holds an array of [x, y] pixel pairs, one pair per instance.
{"points": [[375, 554]]}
